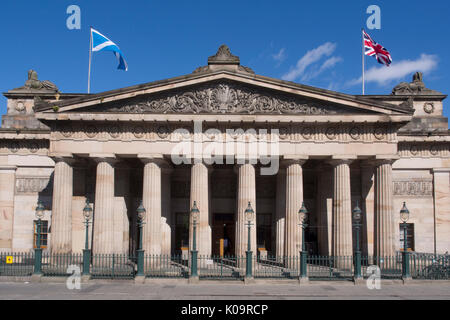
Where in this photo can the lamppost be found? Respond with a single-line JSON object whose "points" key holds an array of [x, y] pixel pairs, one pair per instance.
{"points": [[303, 218], [249, 216], [404, 216], [87, 213], [357, 225], [38, 251], [195, 213], [141, 212]]}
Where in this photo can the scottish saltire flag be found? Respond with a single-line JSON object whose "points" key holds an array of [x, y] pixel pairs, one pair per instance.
{"points": [[374, 49], [102, 43]]}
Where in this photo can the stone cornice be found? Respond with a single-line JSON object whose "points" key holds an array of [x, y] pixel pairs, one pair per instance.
{"points": [[258, 81]]}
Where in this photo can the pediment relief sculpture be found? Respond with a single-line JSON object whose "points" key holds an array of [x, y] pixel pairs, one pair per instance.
{"points": [[224, 97]]}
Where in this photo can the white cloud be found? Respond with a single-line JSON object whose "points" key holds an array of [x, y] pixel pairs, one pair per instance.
{"points": [[398, 70], [329, 63], [311, 57], [280, 56]]}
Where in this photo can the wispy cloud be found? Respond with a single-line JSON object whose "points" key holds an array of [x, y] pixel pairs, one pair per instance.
{"points": [[280, 56], [328, 64], [398, 70], [311, 57]]}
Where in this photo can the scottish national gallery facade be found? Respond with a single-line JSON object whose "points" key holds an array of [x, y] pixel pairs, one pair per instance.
{"points": [[224, 137]]}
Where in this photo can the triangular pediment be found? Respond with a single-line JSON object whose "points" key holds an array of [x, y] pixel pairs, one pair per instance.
{"points": [[224, 93]]}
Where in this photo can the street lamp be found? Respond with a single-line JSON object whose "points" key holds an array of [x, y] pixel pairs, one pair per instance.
{"points": [[87, 213], [195, 214], [357, 225], [249, 214], [404, 216], [141, 213], [40, 211], [303, 219]]}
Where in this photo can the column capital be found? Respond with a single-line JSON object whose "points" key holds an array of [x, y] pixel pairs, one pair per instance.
{"points": [[381, 159], [290, 160], [153, 158], [100, 157], [63, 157], [337, 160]]}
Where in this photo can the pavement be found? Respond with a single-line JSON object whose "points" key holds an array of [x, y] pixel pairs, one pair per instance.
{"points": [[224, 290]]}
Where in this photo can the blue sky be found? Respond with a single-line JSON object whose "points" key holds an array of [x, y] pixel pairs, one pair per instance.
{"points": [[311, 42]]}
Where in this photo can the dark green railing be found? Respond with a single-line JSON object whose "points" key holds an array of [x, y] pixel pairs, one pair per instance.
{"points": [[113, 266], [16, 264], [217, 267], [57, 264], [166, 266], [123, 266], [429, 266]]}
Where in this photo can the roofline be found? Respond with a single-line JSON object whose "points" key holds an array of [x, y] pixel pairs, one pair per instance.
{"points": [[287, 84]]}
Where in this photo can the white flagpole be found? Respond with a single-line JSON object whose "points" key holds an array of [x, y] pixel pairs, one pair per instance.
{"points": [[90, 61], [363, 67]]}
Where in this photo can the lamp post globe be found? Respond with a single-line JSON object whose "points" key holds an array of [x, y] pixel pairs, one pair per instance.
{"points": [[404, 213], [87, 211], [40, 210], [404, 216]]}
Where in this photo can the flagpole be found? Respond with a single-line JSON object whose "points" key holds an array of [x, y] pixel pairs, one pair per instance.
{"points": [[363, 67], [90, 61]]}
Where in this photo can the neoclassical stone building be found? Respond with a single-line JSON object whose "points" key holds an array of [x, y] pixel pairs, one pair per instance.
{"points": [[223, 137]]}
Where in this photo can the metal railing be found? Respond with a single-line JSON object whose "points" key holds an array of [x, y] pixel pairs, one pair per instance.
{"points": [[16, 264], [113, 266], [166, 266], [57, 264], [221, 267], [124, 266]]}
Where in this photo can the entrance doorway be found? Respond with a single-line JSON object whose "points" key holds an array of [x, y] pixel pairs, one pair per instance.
{"points": [[223, 234]]}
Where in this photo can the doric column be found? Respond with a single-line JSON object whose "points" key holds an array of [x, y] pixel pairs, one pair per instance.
{"points": [[151, 196], [441, 195], [7, 188], [324, 214], [280, 214], [342, 211], [200, 194], [61, 240], [166, 211], [384, 207], [104, 206], [246, 193], [367, 207], [294, 199]]}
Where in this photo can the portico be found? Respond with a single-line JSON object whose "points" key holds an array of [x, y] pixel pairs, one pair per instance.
{"points": [[223, 137]]}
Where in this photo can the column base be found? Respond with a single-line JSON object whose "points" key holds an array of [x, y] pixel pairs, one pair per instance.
{"points": [[139, 280], [407, 280], [249, 280], [194, 280], [85, 278], [36, 278], [359, 281], [303, 280]]}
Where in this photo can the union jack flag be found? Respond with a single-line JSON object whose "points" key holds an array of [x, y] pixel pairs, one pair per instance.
{"points": [[375, 49]]}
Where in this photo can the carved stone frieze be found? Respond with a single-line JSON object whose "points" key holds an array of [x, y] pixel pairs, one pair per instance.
{"points": [[222, 97], [26, 185], [424, 149], [24, 146], [422, 188]]}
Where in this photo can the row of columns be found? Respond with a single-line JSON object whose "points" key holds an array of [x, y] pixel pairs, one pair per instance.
{"points": [[335, 233]]}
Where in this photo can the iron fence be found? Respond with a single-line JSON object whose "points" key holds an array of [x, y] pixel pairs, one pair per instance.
{"points": [[16, 264], [123, 266], [166, 266], [430, 266], [113, 266], [330, 268], [221, 267], [57, 264]]}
